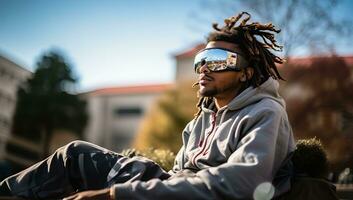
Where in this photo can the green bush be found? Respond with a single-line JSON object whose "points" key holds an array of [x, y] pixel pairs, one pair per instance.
{"points": [[163, 157], [310, 158], [162, 126]]}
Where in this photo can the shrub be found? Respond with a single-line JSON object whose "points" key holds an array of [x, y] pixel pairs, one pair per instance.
{"points": [[162, 126], [163, 157], [310, 158]]}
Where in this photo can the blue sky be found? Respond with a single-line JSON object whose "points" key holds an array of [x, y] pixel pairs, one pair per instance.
{"points": [[109, 42]]}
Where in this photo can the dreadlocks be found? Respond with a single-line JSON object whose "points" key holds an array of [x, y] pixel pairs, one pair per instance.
{"points": [[257, 53]]}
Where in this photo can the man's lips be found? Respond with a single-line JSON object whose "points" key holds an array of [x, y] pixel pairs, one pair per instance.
{"points": [[204, 79]]}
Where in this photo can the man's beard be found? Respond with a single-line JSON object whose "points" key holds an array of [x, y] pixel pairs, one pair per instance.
{"points": [[213, 92], [208, 92]]}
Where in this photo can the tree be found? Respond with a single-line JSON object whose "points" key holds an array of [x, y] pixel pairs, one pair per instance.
{"points": [[45, 103], [162, 126], [319, 103], [309, 26]]}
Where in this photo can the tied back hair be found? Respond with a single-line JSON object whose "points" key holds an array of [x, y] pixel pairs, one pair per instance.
{"points": [[258, 53]]}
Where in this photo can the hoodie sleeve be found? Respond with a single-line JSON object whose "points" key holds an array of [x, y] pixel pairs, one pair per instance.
{"points": [[249, 167], [179, 158]]}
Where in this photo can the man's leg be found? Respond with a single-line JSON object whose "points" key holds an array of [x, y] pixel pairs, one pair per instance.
{"points": [[73, 167]]}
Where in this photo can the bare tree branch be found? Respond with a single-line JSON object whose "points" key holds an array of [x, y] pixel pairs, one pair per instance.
{"points": [[309, 25]]}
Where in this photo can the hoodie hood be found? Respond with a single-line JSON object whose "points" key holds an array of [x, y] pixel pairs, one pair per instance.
{"points": [[268, 89]]}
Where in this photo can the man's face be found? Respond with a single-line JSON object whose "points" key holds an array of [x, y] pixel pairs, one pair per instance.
{"points": [[219, 84]]}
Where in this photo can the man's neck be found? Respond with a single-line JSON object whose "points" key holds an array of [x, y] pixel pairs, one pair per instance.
{"points": [[223, 101], [226, 98]]}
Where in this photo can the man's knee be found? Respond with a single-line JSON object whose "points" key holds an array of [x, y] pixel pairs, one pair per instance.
{"points": [[74, 148], [77, 147]]}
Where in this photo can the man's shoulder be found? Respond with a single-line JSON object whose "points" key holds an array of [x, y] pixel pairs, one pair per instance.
{"points": [[267, 105]]}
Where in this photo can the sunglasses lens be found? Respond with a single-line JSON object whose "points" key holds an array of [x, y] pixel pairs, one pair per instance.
{"points": [[198, 65], [215, 60]]}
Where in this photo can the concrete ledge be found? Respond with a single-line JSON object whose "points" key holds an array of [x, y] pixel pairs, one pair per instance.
{"points": [[344, 191]]}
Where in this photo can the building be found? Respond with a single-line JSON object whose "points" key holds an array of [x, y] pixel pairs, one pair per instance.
{"points": [[11, 76], [116, 113], [185, 64]]}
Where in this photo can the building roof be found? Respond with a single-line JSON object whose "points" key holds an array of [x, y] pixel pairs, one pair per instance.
{"points": [[307, 61], [137, 89], [7, 59], [189, 53]]}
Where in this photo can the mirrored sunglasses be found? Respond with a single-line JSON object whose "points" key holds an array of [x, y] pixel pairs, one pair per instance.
{"points": [[216, 60]]}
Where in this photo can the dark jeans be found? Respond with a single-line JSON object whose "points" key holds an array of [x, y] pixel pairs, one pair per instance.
{"points": [[79, 166]]}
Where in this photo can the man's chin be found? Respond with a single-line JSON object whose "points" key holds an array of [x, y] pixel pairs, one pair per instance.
{"points": [[207, 93]]}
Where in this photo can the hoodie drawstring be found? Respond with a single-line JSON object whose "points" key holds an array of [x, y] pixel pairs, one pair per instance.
{"points": [[202, 130]]}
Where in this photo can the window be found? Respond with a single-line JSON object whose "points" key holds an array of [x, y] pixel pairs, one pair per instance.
{"points": [[4, 122], [128, 111]]}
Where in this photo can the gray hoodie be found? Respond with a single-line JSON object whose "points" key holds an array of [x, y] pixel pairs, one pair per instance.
{"points": [[233, 153]]}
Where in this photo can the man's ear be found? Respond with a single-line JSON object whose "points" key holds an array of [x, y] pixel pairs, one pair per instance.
{"points": [[247, 74]]}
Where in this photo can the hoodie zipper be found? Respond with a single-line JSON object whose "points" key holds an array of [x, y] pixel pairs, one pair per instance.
{"points": [[214, 133], [209, 144], [204, 143]]}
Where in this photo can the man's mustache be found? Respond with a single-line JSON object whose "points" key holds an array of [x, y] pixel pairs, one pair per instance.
{"points": [[206, 77]]}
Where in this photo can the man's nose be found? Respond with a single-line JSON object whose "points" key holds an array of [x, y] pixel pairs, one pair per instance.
{"points": [[204, 68]]}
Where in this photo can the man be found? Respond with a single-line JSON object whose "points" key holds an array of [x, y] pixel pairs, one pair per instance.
{"points": [[235, 148]]}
